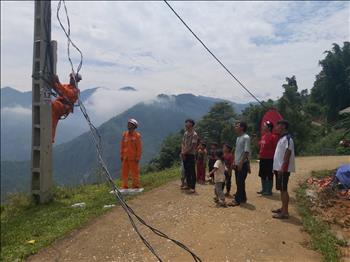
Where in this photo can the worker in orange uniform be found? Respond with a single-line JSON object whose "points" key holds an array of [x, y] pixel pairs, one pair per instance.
{"points": [[130, 155], [63, 105]]}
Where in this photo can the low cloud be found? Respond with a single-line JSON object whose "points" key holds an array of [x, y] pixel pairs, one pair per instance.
{"points": [[144, 45], [106, 103], [16, 111]]}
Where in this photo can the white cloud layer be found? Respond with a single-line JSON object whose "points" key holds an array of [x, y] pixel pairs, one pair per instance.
{"points": [[16, 111], [142, 44], [106, 103]]}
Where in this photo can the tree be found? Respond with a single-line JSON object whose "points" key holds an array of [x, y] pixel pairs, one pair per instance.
{"points": [[332, 85], [168, 154], [291, 107], [305, 112], [216, 126]]}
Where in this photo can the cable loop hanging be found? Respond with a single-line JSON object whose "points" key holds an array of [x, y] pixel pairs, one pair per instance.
{"points": [[98, 145]]}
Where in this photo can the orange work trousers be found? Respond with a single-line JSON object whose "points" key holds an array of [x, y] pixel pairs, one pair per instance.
{"points": [[58, 110], [130, 166]]}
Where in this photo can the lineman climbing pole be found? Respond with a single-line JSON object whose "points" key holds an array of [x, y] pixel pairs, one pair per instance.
{"points": [[44, 66]]}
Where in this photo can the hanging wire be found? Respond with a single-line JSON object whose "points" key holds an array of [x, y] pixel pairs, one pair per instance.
{"points": [[97, 140], [212, 54]]}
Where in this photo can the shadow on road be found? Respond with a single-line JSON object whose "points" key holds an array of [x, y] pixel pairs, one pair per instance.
{"points": [[293, 220], [248, 206], [276, 197]]}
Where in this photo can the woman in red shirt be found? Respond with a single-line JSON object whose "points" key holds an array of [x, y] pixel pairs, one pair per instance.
{"points": [[267, 145], [201, 158]]}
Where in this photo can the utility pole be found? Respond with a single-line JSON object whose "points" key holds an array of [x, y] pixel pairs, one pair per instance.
{"points": [[44, 65]]}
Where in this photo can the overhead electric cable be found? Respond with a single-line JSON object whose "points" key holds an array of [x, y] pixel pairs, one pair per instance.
{"points": [[97, 140], [213, 55]]}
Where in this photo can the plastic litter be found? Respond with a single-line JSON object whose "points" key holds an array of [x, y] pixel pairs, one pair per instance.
{"points": [[129, 191], [108, 206], [311, 193], [82, 205]]}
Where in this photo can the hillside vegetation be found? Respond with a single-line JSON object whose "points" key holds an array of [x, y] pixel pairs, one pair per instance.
{"points": [[315, 124], [75, 161], [22, 221]]}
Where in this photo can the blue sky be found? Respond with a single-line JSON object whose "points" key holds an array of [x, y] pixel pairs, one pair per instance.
{"points": [[142, 44]]}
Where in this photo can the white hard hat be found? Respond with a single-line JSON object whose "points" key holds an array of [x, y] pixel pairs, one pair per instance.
{"points": [[77, 76], [134, 122]]}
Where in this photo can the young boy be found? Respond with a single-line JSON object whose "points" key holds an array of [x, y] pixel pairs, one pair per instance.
{"points": [[212, 160], [219, 178], [228, 159]]}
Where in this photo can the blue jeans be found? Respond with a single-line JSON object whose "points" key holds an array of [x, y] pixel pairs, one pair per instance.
{"points": [[241, 176], [190, 170]]}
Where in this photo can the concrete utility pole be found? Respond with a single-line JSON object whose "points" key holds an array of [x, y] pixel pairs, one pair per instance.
{"points": [[44, 64]]}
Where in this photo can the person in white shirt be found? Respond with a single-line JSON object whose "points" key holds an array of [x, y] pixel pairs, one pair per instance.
{"points": [[219, 178], [283, 165]]}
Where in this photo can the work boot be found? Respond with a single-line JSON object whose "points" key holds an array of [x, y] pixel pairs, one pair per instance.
{"points": [[262, 187], [268, 188]]}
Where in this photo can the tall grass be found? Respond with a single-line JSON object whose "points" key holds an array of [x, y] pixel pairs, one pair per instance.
{"points": [[22, 220]]}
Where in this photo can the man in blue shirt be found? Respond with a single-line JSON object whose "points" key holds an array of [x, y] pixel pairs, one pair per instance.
{"points": [[241, 164]]}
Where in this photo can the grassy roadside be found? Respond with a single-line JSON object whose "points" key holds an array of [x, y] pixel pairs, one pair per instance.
{"points": [[22, 221], [322, 239]]}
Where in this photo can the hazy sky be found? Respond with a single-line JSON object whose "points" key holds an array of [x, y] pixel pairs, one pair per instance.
{"points": [[142, 44]]}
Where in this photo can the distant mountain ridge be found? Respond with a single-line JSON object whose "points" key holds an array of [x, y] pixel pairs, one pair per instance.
{"points": [[127, 88], [16, 119], [157, 120], [16, 123], [11, 97], [75, 161]]}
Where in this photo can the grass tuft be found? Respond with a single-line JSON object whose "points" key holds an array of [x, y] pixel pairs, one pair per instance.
{"points": [[22, 220]]}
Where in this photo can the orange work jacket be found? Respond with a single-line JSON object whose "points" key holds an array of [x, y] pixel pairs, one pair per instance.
{"points": [[131, 146], [68, 95]]}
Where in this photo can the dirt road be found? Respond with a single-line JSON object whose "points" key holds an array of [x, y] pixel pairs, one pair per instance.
{"points": [[245, 233]]}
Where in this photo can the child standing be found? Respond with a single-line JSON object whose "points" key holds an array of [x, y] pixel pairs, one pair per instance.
{"points": [[219, 178], [228, 159], [212, 160]]}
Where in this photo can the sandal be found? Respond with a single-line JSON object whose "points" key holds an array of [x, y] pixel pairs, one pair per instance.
{"points": [[222, 204], [280, 216], [233, 204], [276, 211], [191, 191]]}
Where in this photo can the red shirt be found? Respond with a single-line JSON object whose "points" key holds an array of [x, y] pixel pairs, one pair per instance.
{"points": [[268, 145], [228, 159]]}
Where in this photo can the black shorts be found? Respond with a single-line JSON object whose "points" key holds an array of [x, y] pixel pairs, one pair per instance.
{"points": [[265, 168], [282, 181]]}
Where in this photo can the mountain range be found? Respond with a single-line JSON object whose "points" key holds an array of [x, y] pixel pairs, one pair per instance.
{"points": [[75, 160], [16, 122]]}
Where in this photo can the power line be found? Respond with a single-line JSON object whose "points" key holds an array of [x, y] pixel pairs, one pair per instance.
{"points": [[97, 140], [213, 55]]}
